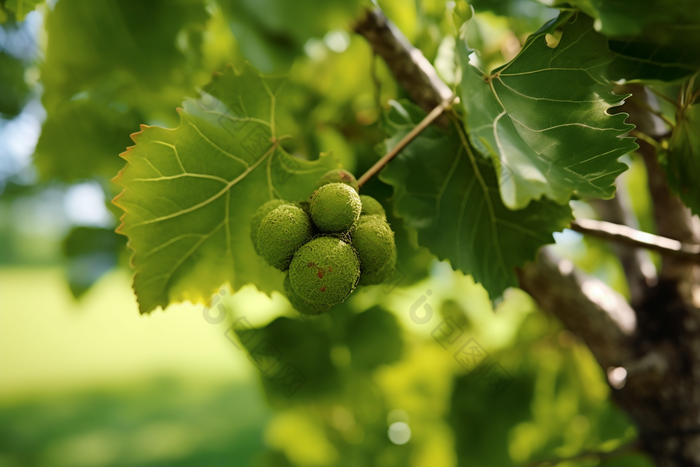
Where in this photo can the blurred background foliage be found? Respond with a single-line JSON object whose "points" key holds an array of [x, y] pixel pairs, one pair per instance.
{"points": [[86, 381]]}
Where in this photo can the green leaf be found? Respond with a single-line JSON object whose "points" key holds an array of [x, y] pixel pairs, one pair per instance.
{"points": [[450, 197], [462, 13], [652, 40], [13, 89], [670, 55], [542, 117], [189, 192], [373, 338], [20, 8], [293, 358], [103, 132], [90, 253], [683, 157], [619, 18], [271, 33], [102, 88]]}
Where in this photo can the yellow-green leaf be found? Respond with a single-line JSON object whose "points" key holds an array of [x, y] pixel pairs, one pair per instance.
{"points": [[189, 192]]}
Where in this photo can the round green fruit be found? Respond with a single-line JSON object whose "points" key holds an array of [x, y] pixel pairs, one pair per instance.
{"points": [[335, 208], [338, 176], [282, 231], [372, 207], [298, 303], [324, 271], [382, 275], [373, 240], [259, 215]]}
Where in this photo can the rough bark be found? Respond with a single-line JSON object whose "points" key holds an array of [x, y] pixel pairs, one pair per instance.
{"points": [[657, 341], [598, 315], [412, 70]]}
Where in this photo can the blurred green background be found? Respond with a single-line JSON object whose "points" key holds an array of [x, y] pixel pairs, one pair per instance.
{"points": [[86, 381]]}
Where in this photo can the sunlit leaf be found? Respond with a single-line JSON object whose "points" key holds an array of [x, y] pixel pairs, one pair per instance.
{"points": [[542, 118], [190, 192], [450, 197]]}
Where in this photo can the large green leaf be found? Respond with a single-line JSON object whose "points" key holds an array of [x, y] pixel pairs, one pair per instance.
{"points": [[450, 197], [543, 118], [683, 157], [653, 40], [190, 192]]}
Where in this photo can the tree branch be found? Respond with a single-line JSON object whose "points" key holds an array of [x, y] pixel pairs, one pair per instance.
{"points": [[604, 328], [638, 239], [417, 130], [601, 317], [411, 69], [658, 345], [670, 215]]}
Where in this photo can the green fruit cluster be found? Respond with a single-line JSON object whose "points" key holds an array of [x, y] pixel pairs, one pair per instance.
{"points": [[329, 244]]}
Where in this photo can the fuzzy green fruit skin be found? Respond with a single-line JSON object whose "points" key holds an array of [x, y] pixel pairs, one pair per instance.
{"points": [[338, 176], [325, 271], [382, 275], [259, 215], [373, 240], [372, 207], [335, 208], [281, 233], [299, 304]]}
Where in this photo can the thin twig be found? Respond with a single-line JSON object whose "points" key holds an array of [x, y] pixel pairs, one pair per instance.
{"points": [[377, 86], [645, 106], [664, 97], [418, 129], [687, 90], [637, 238], [600, 455], [646, 138]]}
